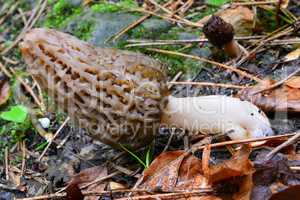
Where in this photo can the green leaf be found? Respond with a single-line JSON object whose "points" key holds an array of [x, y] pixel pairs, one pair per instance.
{"points": [[216, 2], [16, 114]]}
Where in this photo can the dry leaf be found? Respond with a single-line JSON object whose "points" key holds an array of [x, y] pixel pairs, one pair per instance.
{"points": [[284, 3], [84, 177], [245, 189], [240, 17], [294, 55], [238, 165], [293, 82], [116, 186], [173, 170], [284, 98], [272, 176], [288, 194], [4, 91]]}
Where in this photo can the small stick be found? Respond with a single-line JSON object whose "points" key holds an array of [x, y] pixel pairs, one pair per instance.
{"points": [[98, 180], [6, 164], [207, 84], [134, 24], [174, 79], [254, 3], [262, 42], [279, 83], [11, 10], [295, 168], [250, 76], [290, 141], [40, 93], [124, 170], [23, 158], [169, 140], [22, 16], [10, 61], [168, 18], [55, 135], [220, 144], [88, 193], [191, 40], [27, 88], [5, 71], [36, 13], [173, 14], [166, 195]]}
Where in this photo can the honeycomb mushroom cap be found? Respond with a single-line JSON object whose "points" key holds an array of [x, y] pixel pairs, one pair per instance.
{"points": [[218, 32], [116, 95]]}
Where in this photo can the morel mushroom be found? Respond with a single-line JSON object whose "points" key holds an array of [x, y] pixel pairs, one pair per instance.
{"points": [[121, 97], [221, 35]]}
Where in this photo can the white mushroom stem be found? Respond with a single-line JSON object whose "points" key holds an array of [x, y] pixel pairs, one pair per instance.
{"points": [[217, 115]]}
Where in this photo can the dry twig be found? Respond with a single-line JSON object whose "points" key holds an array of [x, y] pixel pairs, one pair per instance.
{"points": [[290, 141], [55, 135], [240, 72], [279, 83], [36, 13], [206, 84], [134, 24], [245, 141]]}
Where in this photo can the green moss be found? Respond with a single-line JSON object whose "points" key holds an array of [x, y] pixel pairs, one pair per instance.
{"points": [[84, 29], [61, 13], [105, 7]]}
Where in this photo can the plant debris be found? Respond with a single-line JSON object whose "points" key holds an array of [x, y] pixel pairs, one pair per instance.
{"points": [[285, 98], [45, 156]]}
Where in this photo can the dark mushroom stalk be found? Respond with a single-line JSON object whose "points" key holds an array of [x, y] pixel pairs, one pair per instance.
{"points": [[121, 97], [221, 35]]}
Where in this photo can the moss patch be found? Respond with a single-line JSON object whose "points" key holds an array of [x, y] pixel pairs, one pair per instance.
{"points": [[105, 7], [62, 12]]}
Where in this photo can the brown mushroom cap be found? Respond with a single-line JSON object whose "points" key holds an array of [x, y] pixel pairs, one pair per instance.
{"points": [[116, 95], [218, 32]]}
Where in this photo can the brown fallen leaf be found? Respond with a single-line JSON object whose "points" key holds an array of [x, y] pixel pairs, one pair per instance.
{"points": [[238, 165], [289, 193], [84, 177], [178, 170], [116, 186], [289, 150], [284, 3], [285, 98], [272, 176], [293, 55], [174, 170], [4, 90], [293, 82], [240, 17]]}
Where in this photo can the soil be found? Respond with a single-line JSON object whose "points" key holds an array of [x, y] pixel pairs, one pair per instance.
{"points": [[79, 151]]}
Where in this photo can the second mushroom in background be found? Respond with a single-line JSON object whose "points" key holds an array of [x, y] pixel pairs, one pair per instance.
{"points": [[221, 35]]}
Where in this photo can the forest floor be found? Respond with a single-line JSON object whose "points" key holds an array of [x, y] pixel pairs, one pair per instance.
{"points": [[41, 150]]}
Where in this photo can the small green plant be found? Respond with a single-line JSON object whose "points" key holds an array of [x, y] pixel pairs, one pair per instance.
{"points": [[16, 122], [16, 114], [148, 157], [62, 11], [41, 146], [217, 2], [105, 7]]}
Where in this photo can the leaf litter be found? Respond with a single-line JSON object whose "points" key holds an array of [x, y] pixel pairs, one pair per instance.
{"points": [[239, 177]]}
